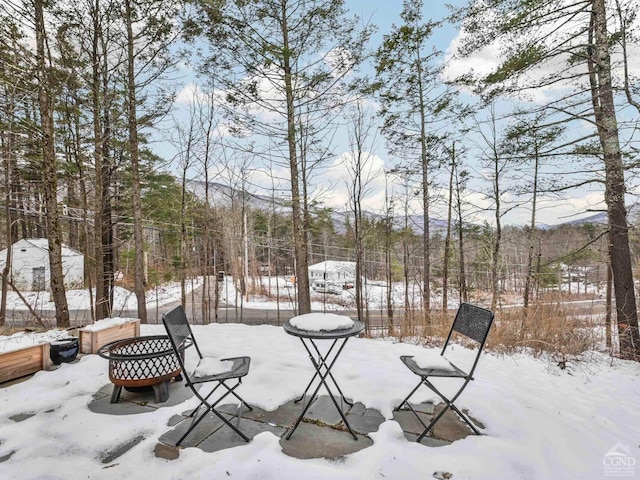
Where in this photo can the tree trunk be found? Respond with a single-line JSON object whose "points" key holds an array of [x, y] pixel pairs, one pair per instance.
{"points": [[462, 275], [183, 231], [599, 64], [424, 161], [104, 303], [6, 271], [358, 216], [388, 270], [608, 302], [495, 254], [45, 102], [140, 282], [98, 266], [209, 225], [6, 144], [299, 234], [102, 144], [447, 239], [532, 236]]}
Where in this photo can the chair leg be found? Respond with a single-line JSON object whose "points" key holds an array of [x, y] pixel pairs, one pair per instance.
{"points": [[439, 416], [465, 419], [449, 404], [430, 426], [221, 416], [231, 425], [406, 400], [196, 421], [231, 390], [210, 407]]}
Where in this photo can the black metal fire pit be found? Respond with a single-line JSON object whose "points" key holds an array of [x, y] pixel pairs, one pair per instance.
{"points": [[141, 363]]}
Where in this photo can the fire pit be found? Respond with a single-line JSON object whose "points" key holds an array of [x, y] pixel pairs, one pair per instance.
{"points": [[141, 363]]}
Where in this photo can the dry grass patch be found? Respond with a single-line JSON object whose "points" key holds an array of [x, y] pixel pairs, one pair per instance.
{"points": [[546, 329]]}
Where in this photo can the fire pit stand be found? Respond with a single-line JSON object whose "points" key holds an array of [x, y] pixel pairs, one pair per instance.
{"points": [[140, 363]]}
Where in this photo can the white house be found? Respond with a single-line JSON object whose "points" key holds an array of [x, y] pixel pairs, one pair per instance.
{"points": [[30, 265], [332, 276]]}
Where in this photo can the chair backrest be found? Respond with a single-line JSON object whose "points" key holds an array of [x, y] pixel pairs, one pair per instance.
{"points": [[179, 331], [473, 322]]}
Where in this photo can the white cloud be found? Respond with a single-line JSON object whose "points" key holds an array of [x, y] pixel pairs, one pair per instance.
{"points": [[554, 212], [482, 62], [192, 93], [340, 60], [565, 31], [341, 176]]}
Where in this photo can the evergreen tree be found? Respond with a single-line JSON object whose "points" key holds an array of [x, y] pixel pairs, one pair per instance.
{"points": [[284, 64], [568, 45], [415, 105]]}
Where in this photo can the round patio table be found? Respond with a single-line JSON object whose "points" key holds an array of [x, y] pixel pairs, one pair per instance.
{"points": [[323, 364]]}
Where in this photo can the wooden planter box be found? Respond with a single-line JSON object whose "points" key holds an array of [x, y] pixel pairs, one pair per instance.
{"points": [[92, 340], [25, 361]]}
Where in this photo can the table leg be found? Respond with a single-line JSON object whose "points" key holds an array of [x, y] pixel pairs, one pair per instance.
{"points": [[344, 399], [314, 364], [323, 361]]}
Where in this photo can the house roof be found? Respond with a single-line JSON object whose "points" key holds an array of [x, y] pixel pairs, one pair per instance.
{"points": [[334, 266], [43, 244]]}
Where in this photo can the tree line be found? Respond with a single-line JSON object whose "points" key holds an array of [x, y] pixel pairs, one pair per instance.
{"points": [[85, 83]]}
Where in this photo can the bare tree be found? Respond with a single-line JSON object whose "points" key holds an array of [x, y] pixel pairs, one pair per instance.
{"points": [[530, 142], [388, 232], [461, 177], [362, 140], [187, 137], [497, 164], [208, 122]]}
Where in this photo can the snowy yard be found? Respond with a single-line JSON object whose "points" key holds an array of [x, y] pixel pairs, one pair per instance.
{"points": [[541, 422]]}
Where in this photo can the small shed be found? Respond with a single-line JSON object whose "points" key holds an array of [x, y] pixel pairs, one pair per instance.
{"points": [[30, 265]]}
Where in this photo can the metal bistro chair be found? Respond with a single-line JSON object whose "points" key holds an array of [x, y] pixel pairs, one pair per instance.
{"points": [[471, 321], [181, 336]]}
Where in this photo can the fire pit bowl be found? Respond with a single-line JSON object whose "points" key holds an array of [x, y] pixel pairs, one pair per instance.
{"points": [[141, 362]]}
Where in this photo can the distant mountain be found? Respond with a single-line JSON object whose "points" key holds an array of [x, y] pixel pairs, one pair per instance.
{"points": [[601, 218], [220, 194], [597, 218]]}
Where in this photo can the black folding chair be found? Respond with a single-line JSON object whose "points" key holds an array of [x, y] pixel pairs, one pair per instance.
{"points": [[472, 322], [181, 336]]}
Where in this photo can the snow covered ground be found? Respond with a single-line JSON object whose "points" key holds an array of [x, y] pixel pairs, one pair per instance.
{"points": [[542, 422], [375, 295], [123, 299]]}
